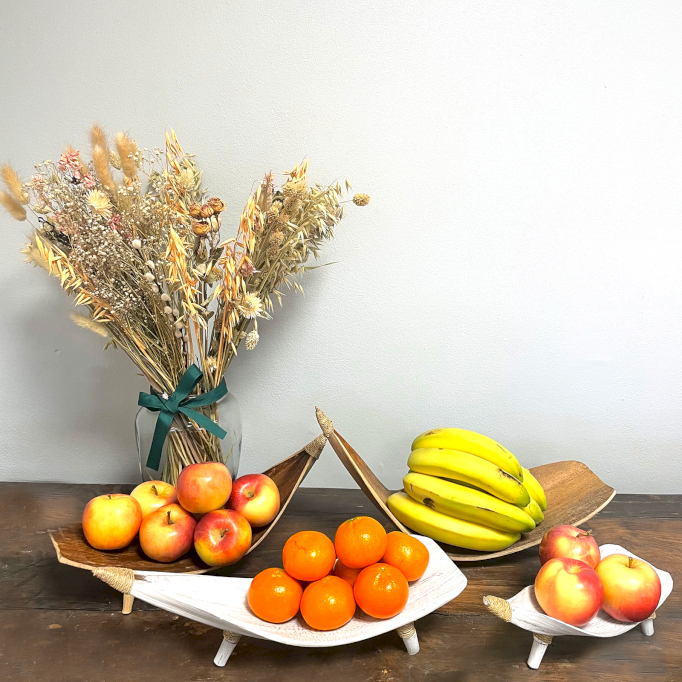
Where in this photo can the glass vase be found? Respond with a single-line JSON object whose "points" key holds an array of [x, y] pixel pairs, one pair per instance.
{"points": [[187, 443]]}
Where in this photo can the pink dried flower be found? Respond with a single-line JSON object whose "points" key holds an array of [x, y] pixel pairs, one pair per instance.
{"points": [[38, 180], [69, 160], [88, 181]]}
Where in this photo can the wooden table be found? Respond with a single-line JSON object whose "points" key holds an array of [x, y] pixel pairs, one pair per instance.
{"points": [[60, 623]]}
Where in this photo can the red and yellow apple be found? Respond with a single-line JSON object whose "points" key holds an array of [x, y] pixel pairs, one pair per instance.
{"points": [[167, 533], [154, 494], [222, 537], [111, 521], [569, 542], [569, 590], [204, 487], [256, 498], [632, 589]]}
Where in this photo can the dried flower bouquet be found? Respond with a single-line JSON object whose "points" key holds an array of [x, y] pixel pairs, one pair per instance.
{"points": [[132, 236]]}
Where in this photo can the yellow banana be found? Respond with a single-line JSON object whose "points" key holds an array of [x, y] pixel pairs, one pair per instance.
{"points": [[446, 528], [462, 466], [466, 503], [534, 489], [534, 511], [474, 444]]}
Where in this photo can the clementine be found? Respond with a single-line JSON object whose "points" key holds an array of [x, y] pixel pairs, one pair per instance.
{"points": [[308, 555], [360, 542], [381, 591], [407, 554], [348, 574], [274, 596], [328, 603]]}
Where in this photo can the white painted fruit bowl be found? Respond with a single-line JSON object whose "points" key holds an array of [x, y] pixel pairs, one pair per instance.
{"points": [[221, 602], [524, 611]]}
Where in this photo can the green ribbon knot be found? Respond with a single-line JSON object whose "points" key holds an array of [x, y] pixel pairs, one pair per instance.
{"points": [[180, 401]]}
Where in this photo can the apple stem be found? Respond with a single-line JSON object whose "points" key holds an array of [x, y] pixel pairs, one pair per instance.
{"points": [[168, 516], [154, 490], [585, 533], [630, 562]]}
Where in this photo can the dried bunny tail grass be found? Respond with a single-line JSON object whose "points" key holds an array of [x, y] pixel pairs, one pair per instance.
{"points": [[100, 159], [126, 150], [12, 206], [88, 323], [33, 256], [11, 180], [98, 138]]}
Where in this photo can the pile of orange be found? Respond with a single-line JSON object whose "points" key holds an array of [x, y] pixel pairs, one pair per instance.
{"points": [[325, 580]]}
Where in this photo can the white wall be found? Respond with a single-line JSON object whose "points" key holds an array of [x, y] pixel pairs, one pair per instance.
{"points": [[518, 271]]}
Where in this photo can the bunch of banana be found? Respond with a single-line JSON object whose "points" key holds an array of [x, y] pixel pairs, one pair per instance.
{"points": [[465, 489]]}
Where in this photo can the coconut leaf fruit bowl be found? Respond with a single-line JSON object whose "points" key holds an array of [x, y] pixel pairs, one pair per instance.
{"points": [[574, 495]]}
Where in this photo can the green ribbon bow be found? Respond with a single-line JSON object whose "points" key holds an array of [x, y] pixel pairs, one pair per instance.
{"points": [[180, 402]]}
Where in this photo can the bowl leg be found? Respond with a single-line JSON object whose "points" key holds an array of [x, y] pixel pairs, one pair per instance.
{"points": [[230, 641], [409, 636], [648, 625], [128, 600], [537, 651]]}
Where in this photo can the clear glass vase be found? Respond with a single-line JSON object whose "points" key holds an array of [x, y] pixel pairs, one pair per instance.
{"points": [[186, 443]]}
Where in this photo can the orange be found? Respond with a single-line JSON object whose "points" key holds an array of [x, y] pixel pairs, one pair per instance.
{"points": [[308, 555], [348, 574], [407, 554], [274, 596], [381, 591], [360, 542], [328, 604]]}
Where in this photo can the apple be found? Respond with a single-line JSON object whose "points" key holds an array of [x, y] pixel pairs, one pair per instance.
{"points": [[569, 542], [154, 494], [569, 590], [256, 498], [204, 487], [111, 521], [167, 533], [222, 537], [632, 589]]}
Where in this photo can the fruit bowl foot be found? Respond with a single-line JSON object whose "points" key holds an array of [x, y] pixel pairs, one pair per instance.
{"points": [[409, 636], [648, 625], [230, 641], [537, 650]]}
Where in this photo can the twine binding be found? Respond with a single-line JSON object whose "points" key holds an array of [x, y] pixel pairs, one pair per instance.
{"points": [[120, 579], [315, 447], [406, 631], [498, 606], [543, 639], [322, 419]]}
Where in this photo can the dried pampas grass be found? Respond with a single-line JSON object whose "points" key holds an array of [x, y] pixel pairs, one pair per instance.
{"points": [[126, 149], [13, 184], [88, 323], [12, 206]]}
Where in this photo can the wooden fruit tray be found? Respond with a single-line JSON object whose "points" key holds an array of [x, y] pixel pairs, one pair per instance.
{"points": [[524, 611], [221, 602], [574, 495], [72, 548]]}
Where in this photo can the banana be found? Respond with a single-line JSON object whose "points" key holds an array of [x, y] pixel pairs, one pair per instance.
{"points": [[446, 528], [466, 503], [462, 466], [474, 444], [534, 511], [534, 489]]}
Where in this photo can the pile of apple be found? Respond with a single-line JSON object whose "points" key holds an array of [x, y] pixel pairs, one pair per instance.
{"points": [[574, 582], [206, 511]]}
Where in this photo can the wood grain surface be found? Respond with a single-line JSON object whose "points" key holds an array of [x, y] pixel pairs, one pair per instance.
{"points": [[58, 623]]}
